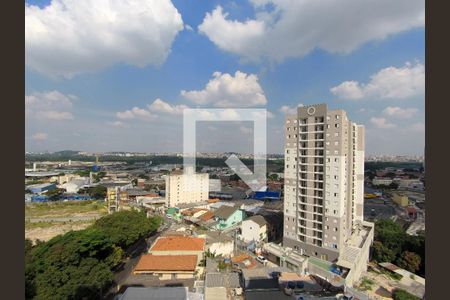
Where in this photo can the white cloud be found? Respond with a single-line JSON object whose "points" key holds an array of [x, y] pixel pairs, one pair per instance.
{"points": [[136, 113], [348, 90], [151, 112], [188, 27], [48, 100], [289, 110], [388, 83], [39, 136], [49, 105], [225, 90], [69, 37], [294, 28], [397, 112], [381, 123], [55, 115], [228, 114], [117, 124], [161, 106]]}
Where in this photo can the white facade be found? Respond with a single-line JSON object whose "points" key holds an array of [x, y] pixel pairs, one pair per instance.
{"points": [[252, 231], [215, 185], [75, 184], [381, 181], [186, 188], [224, 248]]}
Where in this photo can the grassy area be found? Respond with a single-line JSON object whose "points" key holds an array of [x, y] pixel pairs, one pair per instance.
{"points": [[36, 210], [366, 284], [44, 224]]}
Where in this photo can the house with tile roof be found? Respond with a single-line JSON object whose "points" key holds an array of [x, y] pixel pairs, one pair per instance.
{"points": [[167, 267], [178, 245]]}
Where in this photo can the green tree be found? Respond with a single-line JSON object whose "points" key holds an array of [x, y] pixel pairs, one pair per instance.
{"points": [[390, 234], [409, 261], [78, 258], [126, 227], [400, 294], [83, 173], [381, 253], [30, 288], [99, 175], [95, 192], [274, 177]]}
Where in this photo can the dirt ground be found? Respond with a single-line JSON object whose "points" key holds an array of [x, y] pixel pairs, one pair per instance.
{"points": [[383, 285], [45, 233], [44, 221]]}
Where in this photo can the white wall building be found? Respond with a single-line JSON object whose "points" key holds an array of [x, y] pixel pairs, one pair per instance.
{"points": [[254, 229], [74, 185], [381, 181], [186, 188], [215, 185]]}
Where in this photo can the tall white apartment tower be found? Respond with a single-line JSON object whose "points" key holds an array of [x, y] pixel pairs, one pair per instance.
{"points": [[324, 181]]}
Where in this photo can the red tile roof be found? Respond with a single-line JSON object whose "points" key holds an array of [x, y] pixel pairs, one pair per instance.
{"points": [[178, 243], [152, 263], [206, 216]]}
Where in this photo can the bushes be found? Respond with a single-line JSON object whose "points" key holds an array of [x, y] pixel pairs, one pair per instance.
{"points": [[400, 294], [79, 264], [366, 284]]}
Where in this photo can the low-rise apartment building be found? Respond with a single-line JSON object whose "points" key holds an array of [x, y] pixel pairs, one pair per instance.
{"points": [[186, 188]]}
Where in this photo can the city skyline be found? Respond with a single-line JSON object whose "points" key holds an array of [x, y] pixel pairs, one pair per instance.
{"points": [[115, 99]]}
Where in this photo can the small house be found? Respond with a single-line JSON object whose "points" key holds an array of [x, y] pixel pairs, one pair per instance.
{"points": [[227, 216]]}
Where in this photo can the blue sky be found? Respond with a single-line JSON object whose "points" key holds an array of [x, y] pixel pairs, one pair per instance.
{"points": [[80, 93]]}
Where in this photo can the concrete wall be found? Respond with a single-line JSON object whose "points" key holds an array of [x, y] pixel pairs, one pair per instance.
{"points": [[311, 250], [222, 248], [252, 231], [181, 252], [360, 263]]}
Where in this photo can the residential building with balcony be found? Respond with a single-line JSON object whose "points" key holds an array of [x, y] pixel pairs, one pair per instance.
{"points": [[324, 184]]}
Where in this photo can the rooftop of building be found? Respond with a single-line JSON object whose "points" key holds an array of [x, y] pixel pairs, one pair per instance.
{"points": [[227, 280], [215, 237], [192, 205], [207, 216], [150, 262], [155, 293], [137, 192], [178, 243], [258, 220], [40, 185], [225, 211]]}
